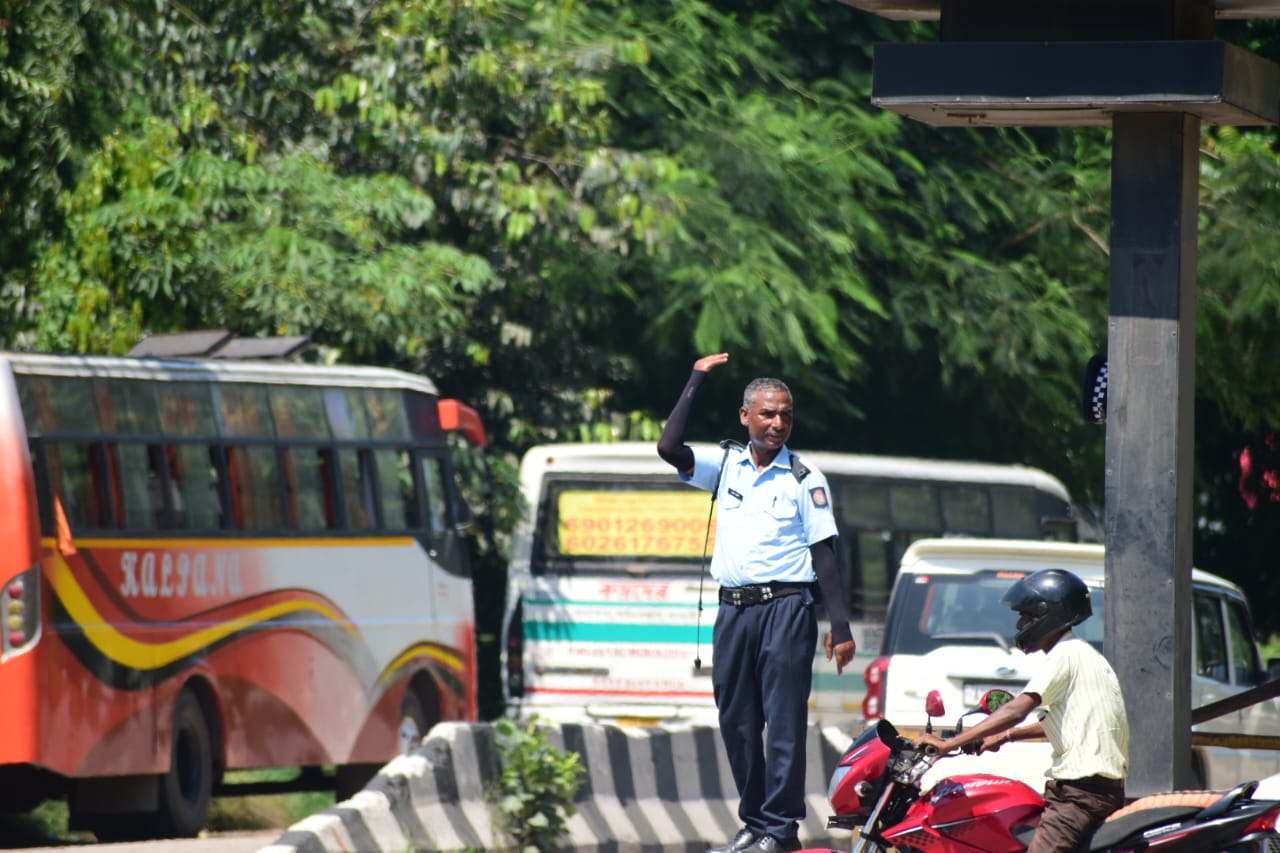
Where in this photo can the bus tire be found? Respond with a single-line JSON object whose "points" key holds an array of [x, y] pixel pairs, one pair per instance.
{"points": [[187, 789], [415, 722]]}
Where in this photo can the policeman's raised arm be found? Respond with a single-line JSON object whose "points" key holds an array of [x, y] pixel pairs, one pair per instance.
{"points": [[671, 445]]}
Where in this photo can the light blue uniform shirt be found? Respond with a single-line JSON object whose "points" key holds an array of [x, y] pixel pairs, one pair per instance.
{"points": [[765, 522]]}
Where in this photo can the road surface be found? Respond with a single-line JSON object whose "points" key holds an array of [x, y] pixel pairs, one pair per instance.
{"points": [[225, 842]]}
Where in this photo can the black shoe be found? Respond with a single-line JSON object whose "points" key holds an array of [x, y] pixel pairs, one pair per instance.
{"points": [[769, 844], [744, 839]]}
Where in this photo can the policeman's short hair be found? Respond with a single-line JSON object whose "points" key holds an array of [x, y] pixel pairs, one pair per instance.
{"points": [[764, 383]]}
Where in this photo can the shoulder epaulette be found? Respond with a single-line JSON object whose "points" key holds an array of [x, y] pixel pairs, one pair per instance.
{"points": [[798, 469]]}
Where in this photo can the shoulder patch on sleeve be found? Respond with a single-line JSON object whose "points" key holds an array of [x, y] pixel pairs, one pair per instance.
{"points": [[819, 496]]}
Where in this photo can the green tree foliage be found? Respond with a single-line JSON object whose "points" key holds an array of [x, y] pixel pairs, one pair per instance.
{"points": [[779, 238], [163, 236], [552, 208], [997, 297], [1238, 300], [456, 157], [51, 94]]}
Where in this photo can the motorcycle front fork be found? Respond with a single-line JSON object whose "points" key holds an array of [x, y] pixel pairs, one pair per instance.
{"points": [[863, 844]]}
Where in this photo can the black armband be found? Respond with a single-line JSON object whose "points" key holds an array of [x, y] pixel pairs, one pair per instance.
{"points": [[671, 446], [824, 566]]}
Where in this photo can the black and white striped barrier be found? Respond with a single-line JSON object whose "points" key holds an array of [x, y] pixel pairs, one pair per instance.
{"points": [[644, 791]]}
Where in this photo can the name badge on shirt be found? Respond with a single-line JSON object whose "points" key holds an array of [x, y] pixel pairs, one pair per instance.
{"points": [[733, 494]]}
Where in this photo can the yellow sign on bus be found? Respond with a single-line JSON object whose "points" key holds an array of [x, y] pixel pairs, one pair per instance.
{"points": [[638, 523]]}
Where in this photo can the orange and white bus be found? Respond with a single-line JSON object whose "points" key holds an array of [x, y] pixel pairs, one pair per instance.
{"points": [[212, 565]]}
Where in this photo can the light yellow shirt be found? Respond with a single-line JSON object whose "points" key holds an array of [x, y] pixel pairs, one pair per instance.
{"points": [[1084, 718]]}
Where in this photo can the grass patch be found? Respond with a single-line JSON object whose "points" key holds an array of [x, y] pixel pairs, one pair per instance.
{"points": [[264, 811], [47, 824]]}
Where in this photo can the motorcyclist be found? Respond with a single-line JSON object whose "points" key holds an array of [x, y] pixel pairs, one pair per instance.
{"points": [[1083, 713]]}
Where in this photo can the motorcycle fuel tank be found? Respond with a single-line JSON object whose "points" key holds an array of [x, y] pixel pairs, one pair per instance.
{"points": [[980, 809]]}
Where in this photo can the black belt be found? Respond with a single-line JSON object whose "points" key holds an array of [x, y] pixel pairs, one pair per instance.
{"points": [[758, 593]]}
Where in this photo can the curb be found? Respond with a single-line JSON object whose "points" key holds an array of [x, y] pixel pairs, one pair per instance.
{"points": [[644, 791]]}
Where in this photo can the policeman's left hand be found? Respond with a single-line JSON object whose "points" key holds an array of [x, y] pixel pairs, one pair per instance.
{"points": [[843, 653]]}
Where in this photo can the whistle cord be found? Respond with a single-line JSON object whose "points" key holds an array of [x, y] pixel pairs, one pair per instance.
{"points": [[727, 444]]}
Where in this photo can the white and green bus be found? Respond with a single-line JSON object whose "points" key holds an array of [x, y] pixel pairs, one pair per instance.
{"points": [[608, 603]]}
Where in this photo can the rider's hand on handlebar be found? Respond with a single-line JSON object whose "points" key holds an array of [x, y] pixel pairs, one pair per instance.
{"points": [[930, 741], [991, 743]]}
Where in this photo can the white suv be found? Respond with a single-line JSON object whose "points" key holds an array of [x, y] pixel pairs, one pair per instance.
{"points": [[946, 630]]}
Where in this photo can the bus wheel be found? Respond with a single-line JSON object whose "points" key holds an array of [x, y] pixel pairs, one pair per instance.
{"points": [[413, 722], [187, 789], [351, 779]]}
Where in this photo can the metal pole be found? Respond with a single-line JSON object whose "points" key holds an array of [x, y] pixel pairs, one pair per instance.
{"points": [[1150, 432]]}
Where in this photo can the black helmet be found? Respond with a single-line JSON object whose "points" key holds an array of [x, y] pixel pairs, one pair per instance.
{"points": [[1056, 600]]}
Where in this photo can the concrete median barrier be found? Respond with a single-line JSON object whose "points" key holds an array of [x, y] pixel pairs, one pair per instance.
{"points": [[645, 791]]}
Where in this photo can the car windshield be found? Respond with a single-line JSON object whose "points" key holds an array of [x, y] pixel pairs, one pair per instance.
{"points": [[947, 610]]}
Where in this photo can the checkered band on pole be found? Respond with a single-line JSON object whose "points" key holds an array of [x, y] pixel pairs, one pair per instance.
{"points": [[1094, 397]]}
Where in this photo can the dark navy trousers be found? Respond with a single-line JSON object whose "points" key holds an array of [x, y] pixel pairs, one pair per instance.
{"points": [[762, 671]]}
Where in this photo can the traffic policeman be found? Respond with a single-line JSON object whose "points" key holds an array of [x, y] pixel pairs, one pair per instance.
{"points": [[775, 549]]}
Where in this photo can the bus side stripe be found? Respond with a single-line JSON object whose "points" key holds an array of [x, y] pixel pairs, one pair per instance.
{"points": [[597, 632], [445, 662], [140, 655]]}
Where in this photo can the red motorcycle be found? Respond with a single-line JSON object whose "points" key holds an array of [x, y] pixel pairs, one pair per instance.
{"points": [[876, 791]]}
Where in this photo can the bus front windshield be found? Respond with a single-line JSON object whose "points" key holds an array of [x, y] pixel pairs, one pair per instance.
{"points": [[619, 524]]}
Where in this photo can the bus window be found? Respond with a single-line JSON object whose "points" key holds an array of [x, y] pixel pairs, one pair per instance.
{"points": [[197, 504], [357, 488], [186, 409], [966, 509], [308, 489], [395, 488], [346, 414], [128, 407], [436, 501], [423, 414], [255, 487], [386, 414], [244, 411], [78, 480], [298, 412], [1015, 513], [58, 404], [915, 507], [139, 468], [873, 577], [861, 503]]}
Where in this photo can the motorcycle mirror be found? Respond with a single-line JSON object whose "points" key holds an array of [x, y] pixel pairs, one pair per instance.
{"points": [[993, 699], [934, 706]]}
